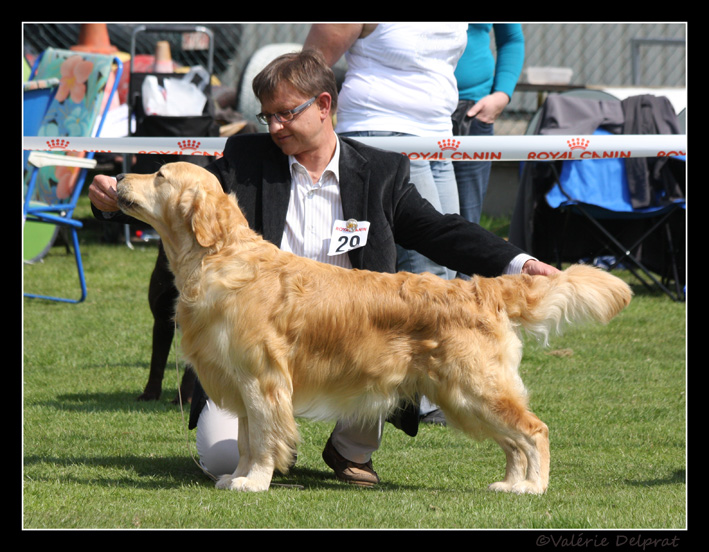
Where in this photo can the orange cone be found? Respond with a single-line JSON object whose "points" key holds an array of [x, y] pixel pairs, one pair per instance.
{"points": [[163, 57], [93, 37]]}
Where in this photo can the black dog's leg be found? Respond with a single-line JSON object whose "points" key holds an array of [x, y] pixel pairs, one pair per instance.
{"points": [[162, 295], [187, 386]]}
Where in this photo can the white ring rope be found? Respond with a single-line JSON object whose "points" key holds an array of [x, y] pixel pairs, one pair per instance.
{"points": [[457, 148]]}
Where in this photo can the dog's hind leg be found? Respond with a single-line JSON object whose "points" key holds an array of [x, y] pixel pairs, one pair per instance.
{"points": [[526, 447], [537, 473], [521, 435], [516, 468]]}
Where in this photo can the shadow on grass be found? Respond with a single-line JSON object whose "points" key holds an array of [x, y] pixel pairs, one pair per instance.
{"points": [[170, 472], [677, 477], [141, 472], [112, 402]]}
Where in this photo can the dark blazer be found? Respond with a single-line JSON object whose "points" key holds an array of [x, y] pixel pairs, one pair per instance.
{"points": [[375, 187]]}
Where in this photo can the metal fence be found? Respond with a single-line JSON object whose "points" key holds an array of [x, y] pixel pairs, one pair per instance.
{"points": [[599, 54]]}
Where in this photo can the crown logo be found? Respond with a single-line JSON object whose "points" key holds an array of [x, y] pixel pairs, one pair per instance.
{"points": [[58, 143], [448, 144], [188, 144], [578, 143]]}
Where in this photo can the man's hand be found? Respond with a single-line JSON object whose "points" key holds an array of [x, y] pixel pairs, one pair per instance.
{"points": [[102, 193], [538, 268]]}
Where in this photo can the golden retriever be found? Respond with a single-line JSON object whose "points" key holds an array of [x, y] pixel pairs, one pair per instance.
{"points": [[273, 336]]}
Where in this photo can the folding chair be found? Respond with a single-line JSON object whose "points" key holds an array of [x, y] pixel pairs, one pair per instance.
{"points": [[598, 191], [534, 225], [572, 210], [37, 95], [77, 106]]}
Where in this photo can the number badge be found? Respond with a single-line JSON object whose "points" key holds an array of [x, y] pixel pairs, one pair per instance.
{"points": [[347, 235]]}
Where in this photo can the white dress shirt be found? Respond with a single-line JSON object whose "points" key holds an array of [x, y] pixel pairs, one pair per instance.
{"points": [[313, 209]]}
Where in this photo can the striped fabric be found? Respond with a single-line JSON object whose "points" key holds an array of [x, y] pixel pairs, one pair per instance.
{"points": [[312, 210]]}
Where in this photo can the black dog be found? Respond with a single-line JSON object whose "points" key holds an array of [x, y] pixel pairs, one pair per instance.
{"points": [[162, 296], [162, 293]]}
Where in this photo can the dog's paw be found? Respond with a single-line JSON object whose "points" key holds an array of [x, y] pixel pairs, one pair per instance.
{"points": [[149, 396], [528, 487], [240, 484], [500, 487], [520, 487]]}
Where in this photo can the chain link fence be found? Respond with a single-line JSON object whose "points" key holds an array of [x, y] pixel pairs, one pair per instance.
{"points": [[599, 54]]}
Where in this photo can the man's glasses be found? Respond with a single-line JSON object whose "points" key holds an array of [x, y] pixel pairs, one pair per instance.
{"points": [[285, 116]]}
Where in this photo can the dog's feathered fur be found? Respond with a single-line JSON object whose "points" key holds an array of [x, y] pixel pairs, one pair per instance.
{"points": [[273, 336]]}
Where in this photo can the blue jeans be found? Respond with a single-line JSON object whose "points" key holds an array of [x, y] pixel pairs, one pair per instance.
{"points": [[435, 181], [472, 177]]}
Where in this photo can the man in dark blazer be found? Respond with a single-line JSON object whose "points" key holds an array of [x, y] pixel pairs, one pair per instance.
{"points": [[374, 187], [269, 172]]}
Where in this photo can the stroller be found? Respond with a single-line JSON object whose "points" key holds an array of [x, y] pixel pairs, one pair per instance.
{"points": [[159, 117]]}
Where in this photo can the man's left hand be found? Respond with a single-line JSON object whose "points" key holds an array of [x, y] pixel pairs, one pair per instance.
{"points": [[538, 268]]}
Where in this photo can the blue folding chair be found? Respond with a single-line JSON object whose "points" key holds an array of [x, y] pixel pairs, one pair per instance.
{"points": [[597, 189], [573, 210], [85, 84]]}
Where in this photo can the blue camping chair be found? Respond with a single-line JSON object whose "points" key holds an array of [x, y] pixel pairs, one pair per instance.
{"points": [[69, 94], [573, 210], [37, 95], [598, 191]]}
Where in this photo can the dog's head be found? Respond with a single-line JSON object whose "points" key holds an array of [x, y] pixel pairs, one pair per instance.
{"points": [[180, 201]]}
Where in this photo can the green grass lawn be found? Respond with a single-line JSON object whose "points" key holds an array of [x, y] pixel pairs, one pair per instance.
{"points": [[614, 398]]}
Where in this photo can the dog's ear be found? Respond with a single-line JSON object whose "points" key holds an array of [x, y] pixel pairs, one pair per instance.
{"points": [[207, 219]]}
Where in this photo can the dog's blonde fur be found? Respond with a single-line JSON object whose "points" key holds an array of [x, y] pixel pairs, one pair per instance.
{"points": [[274, 336]]}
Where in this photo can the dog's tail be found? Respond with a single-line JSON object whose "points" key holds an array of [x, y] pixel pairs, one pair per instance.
{"points": [[543, 305]]}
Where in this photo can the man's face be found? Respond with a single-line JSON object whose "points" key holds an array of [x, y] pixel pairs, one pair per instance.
{"points": [[303, 133]]}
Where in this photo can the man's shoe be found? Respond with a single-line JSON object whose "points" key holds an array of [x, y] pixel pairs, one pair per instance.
{"points": [[346, 470]]}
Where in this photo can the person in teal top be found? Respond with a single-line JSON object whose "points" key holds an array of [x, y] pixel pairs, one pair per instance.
{"points": [[485, 87]]}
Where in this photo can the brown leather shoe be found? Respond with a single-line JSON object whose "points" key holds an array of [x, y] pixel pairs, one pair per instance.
{"points": [[351, 472]]}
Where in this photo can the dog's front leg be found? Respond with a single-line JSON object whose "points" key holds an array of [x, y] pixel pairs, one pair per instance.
{"points": [[253, 473], [249, 475], [256, 462], [244, 465]]}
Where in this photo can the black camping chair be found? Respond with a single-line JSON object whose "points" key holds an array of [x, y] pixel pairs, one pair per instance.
{"points": [[585, 209]]}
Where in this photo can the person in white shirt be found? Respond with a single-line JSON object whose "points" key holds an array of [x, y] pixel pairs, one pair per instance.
{"points": [[400, 81]]}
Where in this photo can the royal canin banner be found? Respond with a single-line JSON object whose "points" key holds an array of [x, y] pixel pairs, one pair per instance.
{"points": [[468, 148]]}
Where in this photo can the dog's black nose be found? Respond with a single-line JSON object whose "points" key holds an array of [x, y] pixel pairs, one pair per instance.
{"points": [[120, 177]]}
